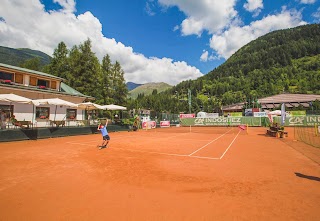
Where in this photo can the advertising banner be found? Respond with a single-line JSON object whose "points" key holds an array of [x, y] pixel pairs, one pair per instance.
{"points": [[236, 114], [222, 121], [309, 121], [297, 113], [260, 114], [212, 115], [149, 124], [218, 121], [187, 116], [165, 123]]}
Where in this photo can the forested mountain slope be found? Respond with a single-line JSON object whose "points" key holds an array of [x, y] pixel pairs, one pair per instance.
{"points": [[281, 61], [278, 62], [16, 57]]}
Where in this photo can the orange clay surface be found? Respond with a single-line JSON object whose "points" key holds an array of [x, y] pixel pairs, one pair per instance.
{"points": [[161, 174]]}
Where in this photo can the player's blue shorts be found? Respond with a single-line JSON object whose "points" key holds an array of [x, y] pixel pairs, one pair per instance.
{"points": [[106, 137]]}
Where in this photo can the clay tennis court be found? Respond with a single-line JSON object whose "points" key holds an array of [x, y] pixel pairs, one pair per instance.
{"points": [[161, 174]]}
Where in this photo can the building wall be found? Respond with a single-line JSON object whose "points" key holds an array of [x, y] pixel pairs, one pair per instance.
{"points": [[27, 112]]}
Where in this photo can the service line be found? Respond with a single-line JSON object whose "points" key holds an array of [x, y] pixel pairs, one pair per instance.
{"points": [[230, 145], [209, 143]]}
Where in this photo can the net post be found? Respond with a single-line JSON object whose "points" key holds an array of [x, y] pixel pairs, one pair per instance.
{"points": [[190, 129], [316, 129], [247, 126]]}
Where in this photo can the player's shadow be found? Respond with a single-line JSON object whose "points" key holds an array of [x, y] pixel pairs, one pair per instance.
{"points": [[308, 177]]}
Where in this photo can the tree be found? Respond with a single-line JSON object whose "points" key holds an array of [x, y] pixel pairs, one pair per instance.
{"points": [[119, 84], [107, 80], [85, 68], [59, 65], [33, 64]]}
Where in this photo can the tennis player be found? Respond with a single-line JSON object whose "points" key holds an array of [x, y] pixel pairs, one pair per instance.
{"points": [[105, 135]]}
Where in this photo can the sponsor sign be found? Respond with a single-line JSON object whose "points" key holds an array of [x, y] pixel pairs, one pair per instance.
{"points": [[236, 114], [297, 113], [165, 123], [148, 124], [212, 115], [302, 121], [187, 116], [250, 111], [218, 121], [259, 114]]}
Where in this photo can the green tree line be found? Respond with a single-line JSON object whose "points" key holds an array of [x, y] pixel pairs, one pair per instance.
{"points": [[82, 71]]}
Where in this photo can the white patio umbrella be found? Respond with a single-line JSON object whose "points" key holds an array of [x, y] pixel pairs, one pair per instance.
{"points": [[15, 98], [114, 107], [90, 106], [54, 101]]}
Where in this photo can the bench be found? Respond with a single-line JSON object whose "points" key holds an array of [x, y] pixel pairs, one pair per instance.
{"points": [[57, 123], [23, 124]]}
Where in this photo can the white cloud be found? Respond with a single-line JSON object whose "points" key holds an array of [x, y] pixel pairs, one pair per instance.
{"points": [[40, 30], [254, 6], [229, 41], [307, 1], [316, 15], [204, 56], [68, 6], [221, 20], [176, 28], [213, 15], [148, 8]]}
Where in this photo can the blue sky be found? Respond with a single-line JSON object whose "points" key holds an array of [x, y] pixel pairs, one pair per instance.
{"points": [[154, 40]]}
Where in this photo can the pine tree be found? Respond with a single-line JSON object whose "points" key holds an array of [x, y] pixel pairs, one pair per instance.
{"points": [[106, 81], [86, 71], [59, 65], [119, 85]]}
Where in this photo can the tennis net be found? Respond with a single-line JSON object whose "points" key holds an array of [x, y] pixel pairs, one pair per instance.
{"points": [[308, 135]]}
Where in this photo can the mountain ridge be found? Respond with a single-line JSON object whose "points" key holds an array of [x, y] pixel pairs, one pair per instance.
{"points": [[148, 88], [17, 56]]}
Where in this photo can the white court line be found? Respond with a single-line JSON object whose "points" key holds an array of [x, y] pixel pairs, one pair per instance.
{"points": [[168, 154], [230, 145], [172, 154], [151, 152], [209, 143]]}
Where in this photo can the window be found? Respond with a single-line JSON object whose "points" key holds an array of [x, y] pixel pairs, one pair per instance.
{"points": [[71, 114], [42, 112], [6, 76], [43, 83]]}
